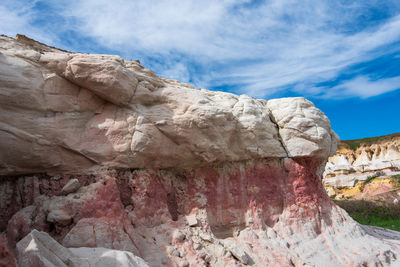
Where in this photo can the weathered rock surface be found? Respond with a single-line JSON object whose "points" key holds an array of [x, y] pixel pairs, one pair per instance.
{"points": [[304, 129], [91, 217], [74, 112], [6, 258], [350, 167], [272, 211], [39, 249], [175, 175], [105, 76], [71, 187]]}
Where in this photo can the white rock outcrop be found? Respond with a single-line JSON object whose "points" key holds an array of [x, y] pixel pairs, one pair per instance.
{"points": [[39, 249], [105, 76], [305, 131], [70, 111]]}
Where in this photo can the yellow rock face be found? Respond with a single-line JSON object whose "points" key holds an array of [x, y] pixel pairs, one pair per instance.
{"points": [[378, 186]]}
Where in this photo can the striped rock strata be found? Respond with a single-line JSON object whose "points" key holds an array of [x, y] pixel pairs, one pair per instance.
{"points": [[349, 168]]}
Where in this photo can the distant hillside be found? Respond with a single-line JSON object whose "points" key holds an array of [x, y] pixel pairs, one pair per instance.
{"points": [[359, 162], [363, 178], [356, 143]]}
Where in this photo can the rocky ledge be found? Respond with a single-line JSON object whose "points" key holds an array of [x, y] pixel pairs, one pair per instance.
{"points": [[103, 162]]}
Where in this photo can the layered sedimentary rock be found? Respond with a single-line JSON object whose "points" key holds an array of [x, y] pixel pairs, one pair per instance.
{"points": [[357, 160], [100, 152]]}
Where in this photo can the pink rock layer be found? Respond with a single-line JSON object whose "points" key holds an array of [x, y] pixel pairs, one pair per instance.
{"points": [[227, 192], [263, 212], [6, 258]]}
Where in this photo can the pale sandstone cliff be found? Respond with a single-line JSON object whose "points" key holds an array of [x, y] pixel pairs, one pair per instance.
{"points": [[350, 167], [100, 152], [78, 112]]}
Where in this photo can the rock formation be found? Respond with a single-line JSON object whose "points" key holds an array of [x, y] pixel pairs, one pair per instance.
{"points": [[357, 160], [39, 249], [98, 151]]}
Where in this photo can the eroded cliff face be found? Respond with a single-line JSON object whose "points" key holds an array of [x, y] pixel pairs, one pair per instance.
{"points": [[260, 212], [100, 152], [350, 167]]}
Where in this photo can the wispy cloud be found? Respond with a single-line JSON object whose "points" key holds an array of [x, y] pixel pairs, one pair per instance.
{"points": [[361, 86], [255, 47], [16, 17]]}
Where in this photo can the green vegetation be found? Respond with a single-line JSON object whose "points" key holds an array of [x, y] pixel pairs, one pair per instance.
{"points": [[396, 180], [373, 213], [389, 223], [370, 179], [356, 143]]}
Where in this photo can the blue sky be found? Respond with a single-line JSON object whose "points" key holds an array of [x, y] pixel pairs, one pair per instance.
{"points": [[342, 55]]}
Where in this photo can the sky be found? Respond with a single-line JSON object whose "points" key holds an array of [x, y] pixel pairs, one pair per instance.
{"points": [[342, 55]]}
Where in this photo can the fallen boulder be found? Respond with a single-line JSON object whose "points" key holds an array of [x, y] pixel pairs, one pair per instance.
{"points": [[39, 249]]}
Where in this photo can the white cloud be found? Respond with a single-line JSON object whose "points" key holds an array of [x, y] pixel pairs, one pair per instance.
{"points": [[363, 87], [16, 17], [319, 57], [264, 47], [177, 71]]}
